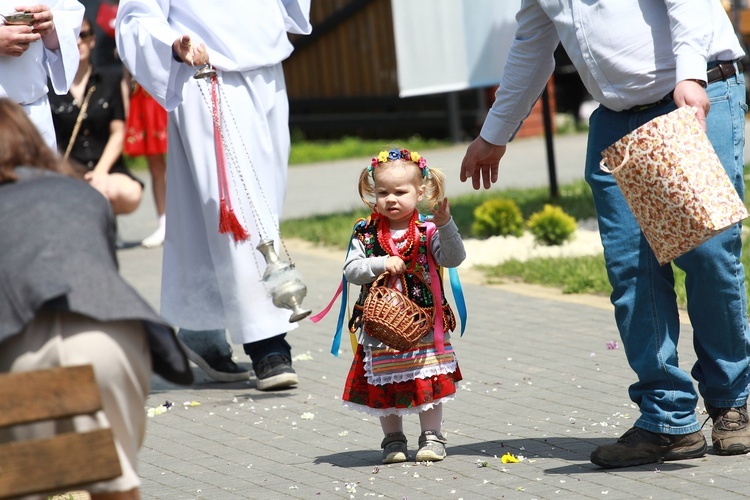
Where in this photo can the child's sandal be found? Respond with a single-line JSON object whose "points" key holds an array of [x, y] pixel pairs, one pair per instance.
{"points": [[431, 447], [394, 448]]}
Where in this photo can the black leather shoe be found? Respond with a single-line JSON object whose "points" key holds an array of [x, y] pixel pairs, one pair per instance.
{"points": [[274, 371], [219, 367]]}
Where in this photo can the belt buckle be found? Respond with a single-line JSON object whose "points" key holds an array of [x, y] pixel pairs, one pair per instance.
{"points": [[724, 74]]}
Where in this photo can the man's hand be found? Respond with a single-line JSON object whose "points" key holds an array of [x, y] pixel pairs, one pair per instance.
{"points": [[482, 160], [692, 93], [15, 40], [195, 56], [42, 18]]}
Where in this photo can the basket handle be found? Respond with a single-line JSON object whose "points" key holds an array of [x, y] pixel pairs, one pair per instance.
{"points": [[383, 280]]}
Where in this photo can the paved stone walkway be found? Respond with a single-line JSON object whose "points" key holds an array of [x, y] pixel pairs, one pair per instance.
{"points": [[545, 381]]}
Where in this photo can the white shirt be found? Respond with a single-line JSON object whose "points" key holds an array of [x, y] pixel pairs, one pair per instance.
{"points": [[24, 79], [239, 35], [626, 53]]}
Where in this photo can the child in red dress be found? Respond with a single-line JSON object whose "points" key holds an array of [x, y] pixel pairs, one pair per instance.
{"points": [[383, 381], [146, 135]]}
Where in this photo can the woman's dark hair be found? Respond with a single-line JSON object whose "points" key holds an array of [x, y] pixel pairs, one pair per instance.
{"points": [[21, 144]]}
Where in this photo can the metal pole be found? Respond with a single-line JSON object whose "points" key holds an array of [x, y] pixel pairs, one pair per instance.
{"points": [[454, 117], [554, 192]]}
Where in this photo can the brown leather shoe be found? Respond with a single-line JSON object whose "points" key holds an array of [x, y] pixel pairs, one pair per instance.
{"points": [[730, 434], [639, 446]]}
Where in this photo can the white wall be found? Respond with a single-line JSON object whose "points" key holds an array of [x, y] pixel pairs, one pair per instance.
{"points": [[451, 45]]}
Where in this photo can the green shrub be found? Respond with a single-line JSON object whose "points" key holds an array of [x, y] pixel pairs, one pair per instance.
{"points": [[551, 226], [498, 217]]}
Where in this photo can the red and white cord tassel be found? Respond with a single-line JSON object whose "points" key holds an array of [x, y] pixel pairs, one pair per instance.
{"points": [[228, 222]]}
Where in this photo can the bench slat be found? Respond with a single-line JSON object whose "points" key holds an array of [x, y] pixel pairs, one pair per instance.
{"points": [[57, 463], [56, 393]]}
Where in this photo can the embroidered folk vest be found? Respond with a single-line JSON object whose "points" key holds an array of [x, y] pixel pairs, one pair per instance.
{"points": [[415, 285]]}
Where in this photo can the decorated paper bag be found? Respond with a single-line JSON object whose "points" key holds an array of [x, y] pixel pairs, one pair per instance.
{"points": [[674, 183]]}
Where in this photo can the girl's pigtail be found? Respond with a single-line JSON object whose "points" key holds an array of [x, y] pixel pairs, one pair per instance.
{"points": [[435, 184], [366, 188]]}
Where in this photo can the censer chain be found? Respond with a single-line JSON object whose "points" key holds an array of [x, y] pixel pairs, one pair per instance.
{"points": [[216, 120], [235, 161]]}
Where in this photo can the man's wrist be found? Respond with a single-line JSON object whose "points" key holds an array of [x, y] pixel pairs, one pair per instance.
{"points": [[702, 83]]}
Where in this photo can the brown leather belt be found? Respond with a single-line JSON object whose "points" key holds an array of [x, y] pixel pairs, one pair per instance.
{"points": [[723, 70]]}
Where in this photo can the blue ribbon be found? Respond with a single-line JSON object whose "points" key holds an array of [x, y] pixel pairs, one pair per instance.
{"points": [[458, 296], [336, 344]]}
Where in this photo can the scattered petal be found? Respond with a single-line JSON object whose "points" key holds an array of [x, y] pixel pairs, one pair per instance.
{"points": [[308, 416], [152, 412], [509, 458]]}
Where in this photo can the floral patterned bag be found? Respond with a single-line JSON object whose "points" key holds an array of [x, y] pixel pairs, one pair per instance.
{"points": [[674, 183]]}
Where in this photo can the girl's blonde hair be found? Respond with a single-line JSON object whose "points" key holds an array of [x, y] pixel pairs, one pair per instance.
{"points": [[432, 178]]}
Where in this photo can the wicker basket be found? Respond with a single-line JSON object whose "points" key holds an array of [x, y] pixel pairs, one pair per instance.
{"points": [[392, 318]]}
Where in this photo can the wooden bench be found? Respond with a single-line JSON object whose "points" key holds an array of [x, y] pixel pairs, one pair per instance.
{"points": [[66, 460]]}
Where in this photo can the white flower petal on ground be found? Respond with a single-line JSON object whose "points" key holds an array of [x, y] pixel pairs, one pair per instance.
{"points": [[305, 356]]}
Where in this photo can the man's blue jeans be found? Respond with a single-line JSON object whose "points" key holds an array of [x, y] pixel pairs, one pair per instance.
{"points": [[643, 292]]}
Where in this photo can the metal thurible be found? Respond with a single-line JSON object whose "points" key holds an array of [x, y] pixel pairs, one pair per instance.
{"points": [[283, 282], [206, 71]]}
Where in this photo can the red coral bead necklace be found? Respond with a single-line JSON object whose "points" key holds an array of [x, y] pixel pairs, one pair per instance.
{"points": [[403, 246]]}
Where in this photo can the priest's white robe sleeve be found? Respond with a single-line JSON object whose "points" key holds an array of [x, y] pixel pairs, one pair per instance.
{"points": [[61, 64], [144, 40]]}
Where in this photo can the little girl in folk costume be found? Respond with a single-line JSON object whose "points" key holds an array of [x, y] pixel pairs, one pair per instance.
{"points": [[382, 381]]}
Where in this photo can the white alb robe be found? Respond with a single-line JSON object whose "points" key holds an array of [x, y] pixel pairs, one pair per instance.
{"points": [[24, 79], [208, 280]]}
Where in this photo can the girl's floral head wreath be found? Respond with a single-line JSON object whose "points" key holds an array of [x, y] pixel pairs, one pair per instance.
{"points": [[403, 154]]}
